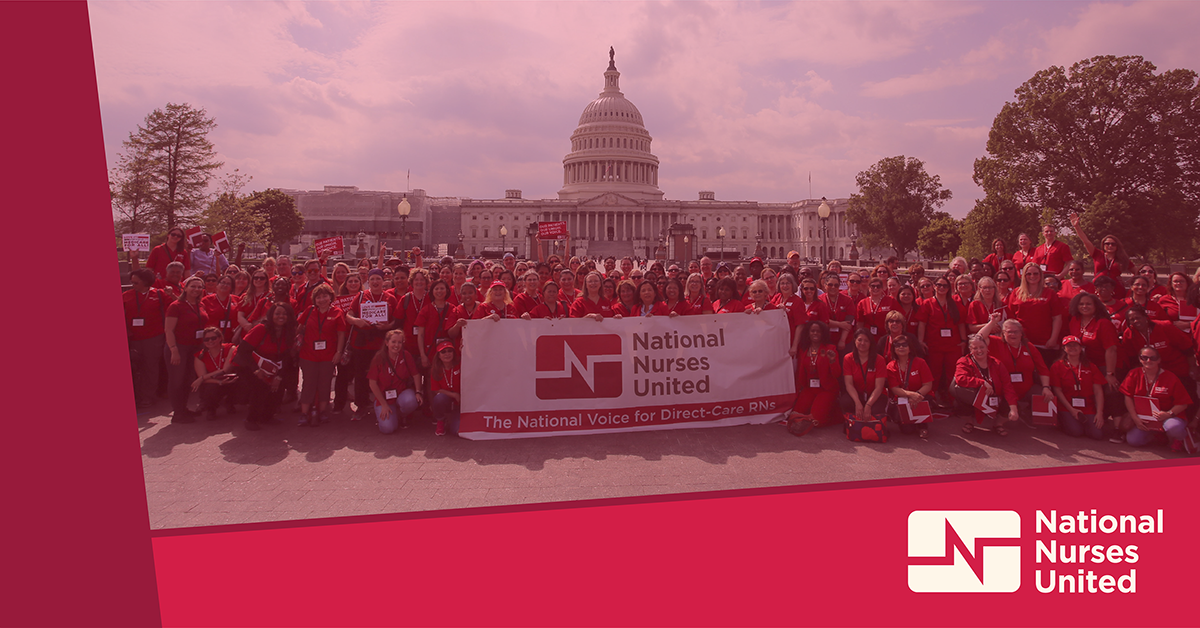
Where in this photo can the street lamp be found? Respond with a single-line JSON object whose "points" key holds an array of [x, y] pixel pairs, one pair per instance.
{"points": [[758, 244], [721, 234], [404, 209], [461, 252], [823, 214], [503, 236]]}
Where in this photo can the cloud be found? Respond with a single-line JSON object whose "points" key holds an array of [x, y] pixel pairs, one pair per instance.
{"points": [[1162, 32], [979, 64]]}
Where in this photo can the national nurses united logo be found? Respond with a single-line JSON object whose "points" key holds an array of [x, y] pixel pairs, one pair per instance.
{"points": [[578, 367], [964, 551]]}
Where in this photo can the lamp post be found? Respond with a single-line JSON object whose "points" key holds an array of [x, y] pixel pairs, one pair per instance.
{"points": [[404, 209], [721, 234], [461, 252], [758, 244], [503, 237], [823, 214]]}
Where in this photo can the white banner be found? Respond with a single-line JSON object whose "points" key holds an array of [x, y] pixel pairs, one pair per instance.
{"points": [[581, 376]]}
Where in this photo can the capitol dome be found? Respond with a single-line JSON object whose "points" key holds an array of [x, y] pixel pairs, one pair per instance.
{"points": [[610, 149]]}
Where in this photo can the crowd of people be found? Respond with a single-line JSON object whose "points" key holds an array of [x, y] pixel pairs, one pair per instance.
{"points": [[993, 340]]}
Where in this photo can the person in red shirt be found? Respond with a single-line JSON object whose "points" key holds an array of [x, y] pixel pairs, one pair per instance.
{"points": [[674, 298], [814, 308], [1053, 254], [175, 249], [1089, 322], [444, 383], [873, 310], [942, 333], [214, 373], [1140, 294], [979, 371], [302, 293], [1026, 369], [627, 299], [1176, 349], [759, 297], [648, 302], [408, 308], [498, 304], [997, 256], [841, 311], [260, 359], [322, 335], [530, 295], [816, 381], [1039, 309], [568, 292], [223, 308], [468, 303], [865, 375], [1109, 259], [987, 301], [908, 308], [1075, 282], [1079, 388], [183, 329], [433, 323], [368, 335], [1169, 395], [1024, 254], [591, 304], [395, 382], [1175, 302], [1116, 308], [255, 302], [909, 381], [697, 299], [727, 300], [551, 306], [171, 283], [145, 310]]}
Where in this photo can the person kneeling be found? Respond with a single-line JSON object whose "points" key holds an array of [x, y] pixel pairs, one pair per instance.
{"points": [[395, 383]]}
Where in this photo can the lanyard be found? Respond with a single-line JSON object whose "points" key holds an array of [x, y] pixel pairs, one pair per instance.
{"points": [[1016, 355], [137, 299], [199, 321], [1077, 374], [1150, 383], [983, 372], [228, 305]]}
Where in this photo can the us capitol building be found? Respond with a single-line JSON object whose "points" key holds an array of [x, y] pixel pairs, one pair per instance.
{"points": [[609, 199]]}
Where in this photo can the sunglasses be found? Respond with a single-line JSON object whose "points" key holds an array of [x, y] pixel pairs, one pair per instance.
{"points": [[211, 338], [1110, 244], [876, 285], [1148, 358], [854, 281], [1005, 280], [900, 345], [808, 289]]}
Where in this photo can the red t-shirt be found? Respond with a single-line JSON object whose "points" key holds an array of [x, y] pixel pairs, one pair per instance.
{"points": [[223, 316], [701, 305], [994, 261], [872, 316], [584, 306], [408, 308], [542, 310], [212, 365], [1069, 289], [766, 306], [682, 308], [817, 310], [1173, 346], [1023, 364], [1020, 258], [1113, 269], [484, 310], [1167, 392], [449, 381], [190, 322], [942, 333], [1177, 310], [864, 375], [266, 345], [160, 257], [320, 330], [302, 295], [1099, 335], [968, 375], [657, 309], [392, 375], [1154, 310], [980, 314], [144, 313], [1077, 383], [369, 338], [523, 303], [732, 305], [1036, 314], [819, 367], [436, 324], [841, 309], [1053, 258], [917, 376]]}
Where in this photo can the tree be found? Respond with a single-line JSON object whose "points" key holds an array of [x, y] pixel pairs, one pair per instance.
{"points": [[996, 216], [230, 212], [1111, 129], [896, 198], [132, 196], [178, 160], [941, 237], [278, 211]]}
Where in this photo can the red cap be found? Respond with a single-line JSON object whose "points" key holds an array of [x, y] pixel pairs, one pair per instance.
{"points": [[791, 253], [443, 345], [756, 259], [498, 283], [1069, 339]]}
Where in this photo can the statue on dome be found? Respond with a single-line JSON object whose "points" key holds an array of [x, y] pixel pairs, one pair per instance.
{"points": [[612, 63]]}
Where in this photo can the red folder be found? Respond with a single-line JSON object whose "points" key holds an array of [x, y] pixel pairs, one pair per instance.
{"points": [[919, 413], [1044, 412], [987, 404], [1146, 407]]}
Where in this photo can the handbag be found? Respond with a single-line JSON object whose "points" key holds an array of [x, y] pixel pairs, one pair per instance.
{"points": [[866, 430]]}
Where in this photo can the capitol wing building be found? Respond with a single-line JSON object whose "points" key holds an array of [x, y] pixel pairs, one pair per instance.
{"points": [[609, 199]]}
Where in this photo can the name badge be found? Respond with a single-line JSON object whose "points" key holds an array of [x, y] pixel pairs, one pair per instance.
{"points": [[1089, 335], [874, 330], [319, 345], [902, 401], [945, 333], [389, 394], [993, 401], [139, 322], [414, 332], [1017, 378], [223, 324], [1078, 403], [814, 383], [200, 334], [1043, 267]]}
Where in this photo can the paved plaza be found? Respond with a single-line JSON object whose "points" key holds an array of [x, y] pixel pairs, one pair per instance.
{"points": [[217, 472]]}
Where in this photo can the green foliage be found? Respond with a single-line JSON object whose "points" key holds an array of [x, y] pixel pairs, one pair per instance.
{"points": [[896, 199], [278, 212], [993, 217], [130, 188], [941, 237], [1108, 134], [172, 161], [230, 212]]}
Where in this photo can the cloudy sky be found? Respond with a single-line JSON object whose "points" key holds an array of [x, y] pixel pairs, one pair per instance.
{"points": [[745, 99]]}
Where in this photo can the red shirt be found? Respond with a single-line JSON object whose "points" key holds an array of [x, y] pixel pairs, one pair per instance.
{"points": [[942, 333], [584, 306], [1077, 383], [732, 305], [1096, 338], [1167, 392], [436, 324], [817, 310], [872, 315], [1173, 345], [190, 322], [1177, 310], [864, 375], [766, 306], [968, 375], [146, 310], [1020, 258], [302, 295], [222, 316], [1069, 289], [917, 376], [1036, 314], [1053, 258], [994, 261], [212, 365], [1022, 364], [392, 375], [841, 309], [449, 381], [980, 314], [682, 308], [819, 367], [542, 310], [408, 308], [701, 305], [258, 309], [319, 327], [1154, 310], [484, 310], [370, 338], [160, 257], [657, 309], [911, 320], [1113, 269], [523, 303], [266, 345]]}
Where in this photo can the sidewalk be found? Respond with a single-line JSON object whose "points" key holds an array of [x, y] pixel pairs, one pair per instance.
{"points": [[216, 472]]}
